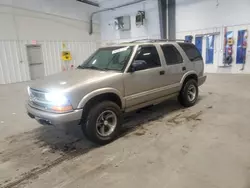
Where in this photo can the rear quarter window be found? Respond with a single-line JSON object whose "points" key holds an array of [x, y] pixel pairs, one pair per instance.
{"points": [[191, 51]]}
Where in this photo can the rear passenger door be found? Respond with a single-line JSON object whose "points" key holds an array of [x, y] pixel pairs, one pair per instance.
{"points": [[175, 68]]}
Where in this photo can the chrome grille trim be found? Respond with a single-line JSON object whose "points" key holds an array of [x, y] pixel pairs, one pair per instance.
{"points": [[37, 99]]}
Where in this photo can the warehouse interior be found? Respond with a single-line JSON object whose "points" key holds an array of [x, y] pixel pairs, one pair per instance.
{"points": [[206, 145], [57, 26]]}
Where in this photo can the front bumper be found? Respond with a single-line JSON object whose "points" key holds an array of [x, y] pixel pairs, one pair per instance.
{"points": [[201, 80], [44, 117]]}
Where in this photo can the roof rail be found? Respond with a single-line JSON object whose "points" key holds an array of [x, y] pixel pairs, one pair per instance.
{"points": [[158, 40]]}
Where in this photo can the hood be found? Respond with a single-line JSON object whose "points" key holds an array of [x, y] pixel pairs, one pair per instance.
{"points": [[66, 80]]}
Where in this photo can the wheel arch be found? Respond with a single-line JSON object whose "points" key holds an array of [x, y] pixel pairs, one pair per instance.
{"points": [[102, 94], [189, 75]]}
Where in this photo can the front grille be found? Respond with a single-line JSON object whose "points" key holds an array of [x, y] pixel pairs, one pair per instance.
{"points": [[36, 93], [37, 99]]}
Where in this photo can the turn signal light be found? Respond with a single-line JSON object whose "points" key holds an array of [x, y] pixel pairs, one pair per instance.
{"points": [[61, 109]]}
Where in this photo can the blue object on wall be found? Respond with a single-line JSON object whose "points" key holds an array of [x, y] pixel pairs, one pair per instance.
{"points": [[210, 50], [241, 47], [198, 44], [189, 38]]}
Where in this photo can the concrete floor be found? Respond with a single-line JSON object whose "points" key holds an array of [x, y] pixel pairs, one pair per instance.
{"points": [[205, 146]]}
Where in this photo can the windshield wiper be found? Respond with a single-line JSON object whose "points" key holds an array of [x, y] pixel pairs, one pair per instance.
{"points": [[80, 67], [91, 67]]}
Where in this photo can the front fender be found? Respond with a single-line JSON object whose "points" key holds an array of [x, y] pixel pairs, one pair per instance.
{"points": [[97, 92]]}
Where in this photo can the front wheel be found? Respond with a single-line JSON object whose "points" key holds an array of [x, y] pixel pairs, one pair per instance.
{"points": [[189, 93], [103, 123]]}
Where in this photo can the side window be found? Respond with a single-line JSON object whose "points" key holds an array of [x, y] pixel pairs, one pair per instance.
{"points": [[172, 55], [191, 51], [149, 56]]}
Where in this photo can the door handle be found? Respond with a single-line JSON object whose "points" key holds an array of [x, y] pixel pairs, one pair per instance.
{"points": [[184, 68], [162, 72]]}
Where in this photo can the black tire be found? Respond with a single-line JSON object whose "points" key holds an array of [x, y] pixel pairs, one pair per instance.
{"points": [[89, 126], [184, 98]]}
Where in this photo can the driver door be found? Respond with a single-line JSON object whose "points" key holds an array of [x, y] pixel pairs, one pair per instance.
{"points": [[148, 83]]}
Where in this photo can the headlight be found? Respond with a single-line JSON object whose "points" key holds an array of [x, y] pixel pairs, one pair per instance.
{"points": [[58, 102], [56, 98]]}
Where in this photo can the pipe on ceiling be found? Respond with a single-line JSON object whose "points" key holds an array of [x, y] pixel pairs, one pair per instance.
{"points": [[108, 9], [89, 2]]}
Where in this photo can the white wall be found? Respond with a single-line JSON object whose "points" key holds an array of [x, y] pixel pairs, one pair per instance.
{"points": [[151, 29], [46, 19], [65, 8], [200, 14], [204, 16], [50, 24], [14, 62]]}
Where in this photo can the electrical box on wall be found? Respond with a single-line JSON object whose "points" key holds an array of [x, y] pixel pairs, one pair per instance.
{"points": [[122, 23], [140, 18]]}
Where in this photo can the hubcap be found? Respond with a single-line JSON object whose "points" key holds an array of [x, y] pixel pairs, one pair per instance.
{"points": [[191, 93], [106, 123]]}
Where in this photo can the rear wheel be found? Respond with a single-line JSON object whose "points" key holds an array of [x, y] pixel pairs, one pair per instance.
{"points": [[189, 93], [103, 122]]}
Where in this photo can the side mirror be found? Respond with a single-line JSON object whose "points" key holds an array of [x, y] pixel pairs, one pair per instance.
{"points": [[138, 65]]}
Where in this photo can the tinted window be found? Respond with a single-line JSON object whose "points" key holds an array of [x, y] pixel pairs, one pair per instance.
{"points": [[191, 51], [172, 55], [150, 55]]}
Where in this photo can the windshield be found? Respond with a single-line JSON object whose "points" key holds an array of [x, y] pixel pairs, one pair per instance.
{"points": [[111, 58]]}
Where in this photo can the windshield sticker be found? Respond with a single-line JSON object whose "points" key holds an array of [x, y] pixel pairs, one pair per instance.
{"points": [[120, 50]]}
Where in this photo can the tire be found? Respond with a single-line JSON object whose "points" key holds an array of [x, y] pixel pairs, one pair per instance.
{"points": [[184, 97], [95, 125]]}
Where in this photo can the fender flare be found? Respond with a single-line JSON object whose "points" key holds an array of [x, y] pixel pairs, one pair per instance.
{"points": [[188, 74], [97, 92]]}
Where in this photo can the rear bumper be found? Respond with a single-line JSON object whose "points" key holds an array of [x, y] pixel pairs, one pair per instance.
{"points": [[44, 117], [201, 80]]}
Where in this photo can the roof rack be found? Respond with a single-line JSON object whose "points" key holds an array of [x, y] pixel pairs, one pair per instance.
{"points": [[158, 40]]}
